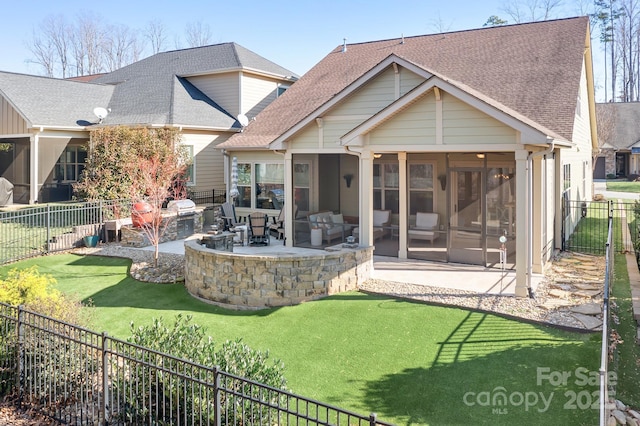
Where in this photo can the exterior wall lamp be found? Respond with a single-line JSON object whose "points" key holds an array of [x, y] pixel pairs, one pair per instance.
{"points": [[347, 179]]}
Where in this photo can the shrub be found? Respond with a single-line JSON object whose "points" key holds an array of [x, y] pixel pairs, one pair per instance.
{"points": [[188, 341], [35, 291]]}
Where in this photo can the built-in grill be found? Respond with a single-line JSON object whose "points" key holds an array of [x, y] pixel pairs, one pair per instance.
{"points": [[185, 211]]}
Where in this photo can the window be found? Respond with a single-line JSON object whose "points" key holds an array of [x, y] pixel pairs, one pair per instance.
{"points": [[262, 189], [70, 164], [386, 195], [190, 173], [301, 187], [269, 186], [420, 188]]}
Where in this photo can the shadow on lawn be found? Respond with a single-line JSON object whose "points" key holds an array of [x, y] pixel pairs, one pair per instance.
{"points": [[479, 365]]}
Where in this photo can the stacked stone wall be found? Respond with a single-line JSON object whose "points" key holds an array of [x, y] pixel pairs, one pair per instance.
{"points": [[243, 281]]}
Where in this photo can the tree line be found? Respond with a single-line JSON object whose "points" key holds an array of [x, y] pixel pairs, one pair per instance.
{"points": [[88, 44]]}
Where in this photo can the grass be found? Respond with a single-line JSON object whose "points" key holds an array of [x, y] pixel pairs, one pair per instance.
{"points": [[410, 363], [623, 186], [626, 359]]}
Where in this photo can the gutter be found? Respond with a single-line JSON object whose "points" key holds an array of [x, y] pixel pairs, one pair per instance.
{"points": [[529, 167]]}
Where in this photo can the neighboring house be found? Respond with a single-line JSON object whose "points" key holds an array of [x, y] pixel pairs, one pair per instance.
{"points": [[491, 129], [619, 135], [206, 92]]}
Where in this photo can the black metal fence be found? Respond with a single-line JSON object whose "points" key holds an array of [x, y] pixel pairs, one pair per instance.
{"points": [[78, 377], [214, 196], [585, 225]]}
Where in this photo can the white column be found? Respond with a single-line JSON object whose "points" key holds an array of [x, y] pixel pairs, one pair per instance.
{"points": [[402, 198], [290, 198], [366, 199], [34, 164], [522, 240]]}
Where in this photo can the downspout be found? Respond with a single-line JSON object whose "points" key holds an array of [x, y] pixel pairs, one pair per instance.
{"points": [[529, 166]]}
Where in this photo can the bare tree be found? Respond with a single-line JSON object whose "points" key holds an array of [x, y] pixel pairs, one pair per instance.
{"points": [[197, 34], [531, 10], [51, 47], [156, 33], [121, 47]]}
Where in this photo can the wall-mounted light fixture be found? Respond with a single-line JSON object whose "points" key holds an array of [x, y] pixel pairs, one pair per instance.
{"points": [[443, 181], [347, 179], [480, 156], [376, 156]]}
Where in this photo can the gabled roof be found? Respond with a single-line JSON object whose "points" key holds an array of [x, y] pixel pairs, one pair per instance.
{"points": [[152, 90], [532, 69], [51, 102], [625, 116]]}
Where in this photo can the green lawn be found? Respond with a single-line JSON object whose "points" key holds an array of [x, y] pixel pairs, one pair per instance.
{"points": [[410, 363], [623, 186]]}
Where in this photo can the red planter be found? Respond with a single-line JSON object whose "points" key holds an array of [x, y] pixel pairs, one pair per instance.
{"points": [[141, 214]]}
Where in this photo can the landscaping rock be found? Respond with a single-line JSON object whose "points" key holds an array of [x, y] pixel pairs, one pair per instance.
{"points": [[588, 309], [620, 417], [589, 322]]}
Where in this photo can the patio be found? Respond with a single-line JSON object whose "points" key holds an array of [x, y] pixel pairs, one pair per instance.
{"points": [[447, 275]]}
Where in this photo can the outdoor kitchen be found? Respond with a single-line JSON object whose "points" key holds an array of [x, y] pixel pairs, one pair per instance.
{"points": [[180, 220]]}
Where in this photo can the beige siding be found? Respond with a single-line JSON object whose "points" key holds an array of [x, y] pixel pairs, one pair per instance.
{"points": [[223, 89], [580, 156], [370, 98], [257, 93], [11, 123], [208, 161], [463, 124], [307, 138], [415, 125], [49, 150], [408, 81], [334, 130]]}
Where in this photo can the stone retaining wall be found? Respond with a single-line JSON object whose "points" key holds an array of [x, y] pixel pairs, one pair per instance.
{"points": [[243, 281]]}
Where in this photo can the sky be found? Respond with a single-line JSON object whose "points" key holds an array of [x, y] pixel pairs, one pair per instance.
{"points": [[295, 35]]}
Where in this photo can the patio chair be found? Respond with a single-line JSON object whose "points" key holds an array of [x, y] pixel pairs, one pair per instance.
{"points": [[259, 229], [278, 225], [426, 227], [229, 216]]}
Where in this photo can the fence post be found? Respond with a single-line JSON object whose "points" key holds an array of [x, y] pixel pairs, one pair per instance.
{"points": [[373, 419], [20, 354], [217, 417], [105, 379], [48, 228]]}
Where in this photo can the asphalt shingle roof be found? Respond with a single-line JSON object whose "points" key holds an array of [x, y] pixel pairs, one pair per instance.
{"points": [[151, 91], [533, 69], [46, 101], [625, 129]]}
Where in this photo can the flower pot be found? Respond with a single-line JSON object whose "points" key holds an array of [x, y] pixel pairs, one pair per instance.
{"points": [[91, 240]]}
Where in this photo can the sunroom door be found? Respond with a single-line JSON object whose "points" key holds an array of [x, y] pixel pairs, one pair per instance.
{"points": [[466, 217]]}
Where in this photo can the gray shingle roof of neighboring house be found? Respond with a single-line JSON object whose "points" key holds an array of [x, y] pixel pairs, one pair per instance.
{"points": [[625, 127], [533, 69], [151, 91], [154, 90], [46, 101]]}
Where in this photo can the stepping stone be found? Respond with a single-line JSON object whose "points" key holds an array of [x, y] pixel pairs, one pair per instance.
{"points": [[588, 267], [588, 309], [561, 286], [589, 322], [569, 260], [587, 293], [582, 286], [562, 294], [551, 304]]}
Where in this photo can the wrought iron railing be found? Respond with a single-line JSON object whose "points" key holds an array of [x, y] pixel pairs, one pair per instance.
{"points": [[77, 377]]}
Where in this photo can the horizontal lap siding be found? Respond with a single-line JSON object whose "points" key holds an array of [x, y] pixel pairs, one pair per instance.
{"points": [[223, 89], [463, 124], [209, 166], [409, 81], [370, 98], [415, 125], [11, 123], [257, 93]]}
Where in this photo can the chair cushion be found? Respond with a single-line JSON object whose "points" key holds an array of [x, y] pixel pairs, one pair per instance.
{"points": [[426, 220], [380, 217]]}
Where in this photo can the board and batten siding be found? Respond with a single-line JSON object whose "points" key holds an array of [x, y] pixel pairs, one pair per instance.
{"points": [[223, 89], [11, 123], [257, 93], [208, 161]]}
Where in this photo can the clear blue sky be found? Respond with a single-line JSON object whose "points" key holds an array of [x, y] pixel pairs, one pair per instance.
{"points": [[295, 35]]}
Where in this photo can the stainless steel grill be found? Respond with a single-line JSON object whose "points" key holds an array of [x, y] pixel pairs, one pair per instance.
{"points": [[182, 207]]}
